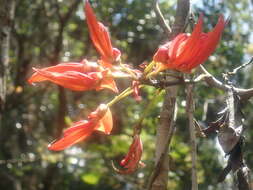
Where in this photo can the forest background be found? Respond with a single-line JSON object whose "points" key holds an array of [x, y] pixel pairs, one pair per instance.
{"points": [[50, 31]]}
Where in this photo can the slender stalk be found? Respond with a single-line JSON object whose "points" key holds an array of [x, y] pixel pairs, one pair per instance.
{"points": [[131, 73], [148, 68], [119, 97], [122, 95], [162, 21]]}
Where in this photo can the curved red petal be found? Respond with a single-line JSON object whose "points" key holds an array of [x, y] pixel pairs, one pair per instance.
{"points": [[107, 81], [132, 160], [131, 150], [60, 68], [192, 45], [176, 46], [106, 123], [209, 43], [72, 136], [99, 34], [161, 55], [83, 67], [70, 79]]}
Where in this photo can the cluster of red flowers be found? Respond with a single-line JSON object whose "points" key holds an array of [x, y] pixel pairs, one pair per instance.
{"points": [[183, 53]]}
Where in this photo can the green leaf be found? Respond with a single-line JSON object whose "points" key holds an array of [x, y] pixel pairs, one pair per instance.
{"points": [[91, 178]]}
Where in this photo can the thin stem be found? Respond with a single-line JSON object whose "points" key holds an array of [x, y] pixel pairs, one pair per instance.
{"points": [[131, 73], [166, 28], [122, 95], [118, 98], [148, 68]]}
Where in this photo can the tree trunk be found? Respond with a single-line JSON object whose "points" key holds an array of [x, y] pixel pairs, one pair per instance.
{"points": [[159, 178], [6, 19]]}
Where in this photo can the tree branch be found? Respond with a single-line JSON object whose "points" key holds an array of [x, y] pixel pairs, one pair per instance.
{"points": [[241, 67], [245, 94], [166, 28]]}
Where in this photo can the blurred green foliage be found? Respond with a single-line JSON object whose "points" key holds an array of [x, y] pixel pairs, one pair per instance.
{"points": [[32, 112]]}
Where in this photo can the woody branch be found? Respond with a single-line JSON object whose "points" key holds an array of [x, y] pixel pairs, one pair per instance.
{"points": [[165, 130]]}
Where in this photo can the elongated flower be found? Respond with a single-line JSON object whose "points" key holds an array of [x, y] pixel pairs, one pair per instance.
{"points": [[101, 38], [132, 160], [76, 76], [100, 120], [186, 52]]}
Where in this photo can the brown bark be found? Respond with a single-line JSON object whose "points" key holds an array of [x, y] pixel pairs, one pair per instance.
{"points": [[165, 131]]}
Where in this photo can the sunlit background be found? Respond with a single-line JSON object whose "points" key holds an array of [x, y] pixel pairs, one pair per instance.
{"points": [[36, 115]]}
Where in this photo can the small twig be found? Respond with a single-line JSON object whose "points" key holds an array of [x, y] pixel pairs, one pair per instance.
{"points": [[192, 21], [201, 77], [241, 67], [166, 28], [198, 129], [245, 94]]}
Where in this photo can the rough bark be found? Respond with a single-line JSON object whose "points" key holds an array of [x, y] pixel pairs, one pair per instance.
{"points": [[6, 19], [164, 135]]}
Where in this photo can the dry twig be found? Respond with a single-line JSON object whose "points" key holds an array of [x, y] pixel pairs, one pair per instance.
{"points": [[245, 94], [166, 28]]}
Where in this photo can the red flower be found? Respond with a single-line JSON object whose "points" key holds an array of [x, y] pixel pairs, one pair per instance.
{"points": [[186, 52], [132, 160], [100, 120], [76, 76], [101, 38]]}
